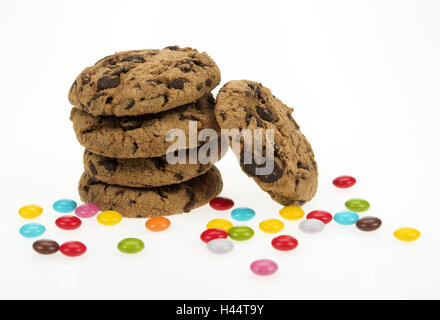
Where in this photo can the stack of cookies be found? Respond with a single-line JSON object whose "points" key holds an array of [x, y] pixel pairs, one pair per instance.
{"points": [[125, 106]]}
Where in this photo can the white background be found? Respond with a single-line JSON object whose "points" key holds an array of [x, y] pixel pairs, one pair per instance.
{"points": [[363, 77]]}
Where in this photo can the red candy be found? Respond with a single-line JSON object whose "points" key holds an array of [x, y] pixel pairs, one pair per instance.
{"points": [[213, 233], [324, 216], [73, 248], [284, 243], [68, 222], [344, 182], [221, 203]]}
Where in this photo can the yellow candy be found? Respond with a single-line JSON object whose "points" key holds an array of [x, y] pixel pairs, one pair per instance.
{"points": [[30, 211], [271, 226], [219, 224], [292, 213], [407, 234], [109, 218]]}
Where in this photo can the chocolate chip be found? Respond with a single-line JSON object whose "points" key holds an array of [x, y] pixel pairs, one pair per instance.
{"points": [[198, 63], [200, 169], [172, 48], [161, 194], [107, 82], [222, 114], [92, 181], [190, 204], [96, 96], [135, 147], [178, 176], [131, 123], [251, 169], [134, 58], [108, 100], [85, 78], [109, 164], [247, 118], [301, 202], [118, 193], [185, 117], [208, 82], [93, 169], [120, 71], [132, 202], [300, 165], [199, 87], [265, 113], [251, 86], [86, 188], [177, 84], [258, 92], [159, 163], [130, 104]]}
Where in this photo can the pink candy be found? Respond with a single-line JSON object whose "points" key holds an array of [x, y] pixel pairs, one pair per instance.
{"points": [[264, 267], [87, 210]]}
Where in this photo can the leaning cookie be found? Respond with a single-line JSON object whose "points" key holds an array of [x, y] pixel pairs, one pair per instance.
{"points": [[144, 81], [141, 136], [248, 105], [150, 172], [160, 201]]}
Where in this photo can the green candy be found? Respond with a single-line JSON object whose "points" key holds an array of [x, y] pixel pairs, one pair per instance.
{"points": [[357, 205], [131, 245], [241, 233]]}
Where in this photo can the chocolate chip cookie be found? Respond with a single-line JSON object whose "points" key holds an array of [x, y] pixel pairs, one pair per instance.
{"points": [[141, 136], [248, 105], [144, 81], [160, 201], [148, 172]]}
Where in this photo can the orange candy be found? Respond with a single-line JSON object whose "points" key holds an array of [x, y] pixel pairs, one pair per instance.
{"points": [[157, 224]]}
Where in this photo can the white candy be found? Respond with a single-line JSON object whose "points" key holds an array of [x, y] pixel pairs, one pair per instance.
{"points": [[220, 246], [311, 225]]}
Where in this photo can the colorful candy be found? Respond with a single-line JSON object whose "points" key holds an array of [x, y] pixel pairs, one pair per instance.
{"points": [[221, 203], [220, 246], [292, 213], [407, 234], [64, 205], [241, 233], [346, 217], [264, 267], [368, 223], [219, 224], [157, 224], [32, 230], [87, 210], [45, 246], [357, 205], [73, 248], [30, 211], [311, 225], [109, 218], [242, 214], [344, 182], [213, 233], [324, 216], [271, 226], [284, 243], [68, 222], [131, 245]]}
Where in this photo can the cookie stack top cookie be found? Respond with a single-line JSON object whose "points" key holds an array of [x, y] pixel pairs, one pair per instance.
{"points": [[144, 81]]}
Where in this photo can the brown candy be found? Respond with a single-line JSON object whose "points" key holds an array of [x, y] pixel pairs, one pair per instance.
{"points": [[45, 246], [368, 223]]}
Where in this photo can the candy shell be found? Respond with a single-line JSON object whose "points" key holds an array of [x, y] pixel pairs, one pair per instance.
{"points": [[213, 233], [32, 230], [157, 224], [221, 203], [271, 226], [219, 224], [241, 233], [73, 248], [311, 225], [346, 217], [264, 267], [30, 211], [220, 246], [344, 182], [45, 246], [407, 234], [368, 223], [324, 216], [292, 213], [242, 214], [284, 243], [87, 210], [131, 245], [109, 218], [68, 222], [357, 205], [64, 205]]}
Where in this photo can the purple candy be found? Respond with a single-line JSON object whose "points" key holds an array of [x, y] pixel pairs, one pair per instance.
{"points": [[87, 210], [264, 267]]}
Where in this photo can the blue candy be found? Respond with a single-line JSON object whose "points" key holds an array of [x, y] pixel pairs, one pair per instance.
{"points": [[64, 205], [346, 217], [32, 230], [242, 214]]}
